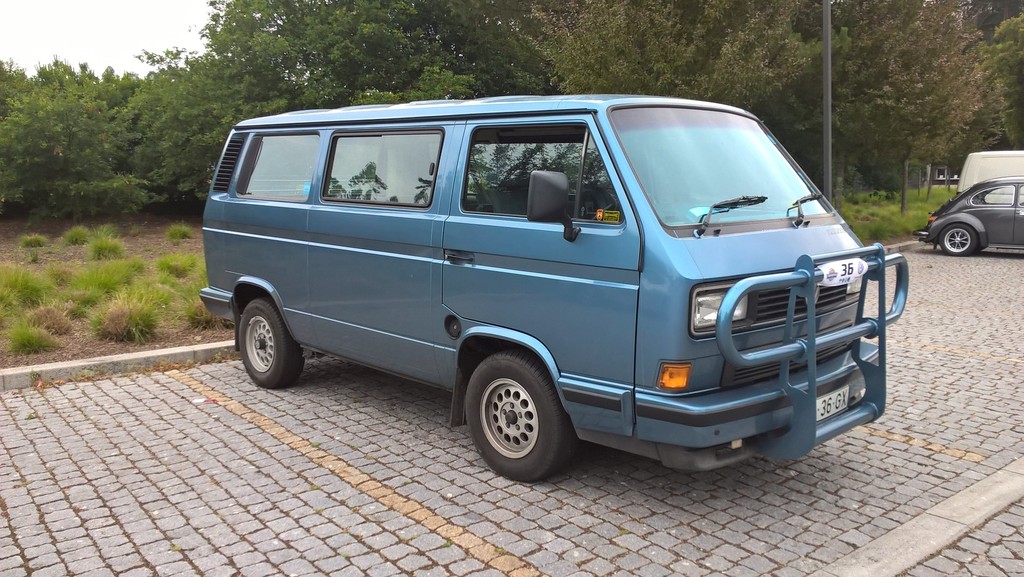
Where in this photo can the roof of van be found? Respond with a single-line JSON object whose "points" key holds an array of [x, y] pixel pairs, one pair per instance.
{"points": [[494, 106], [996, 153]]}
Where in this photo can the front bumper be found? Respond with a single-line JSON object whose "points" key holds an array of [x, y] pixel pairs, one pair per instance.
{"points": [[723, 416]]}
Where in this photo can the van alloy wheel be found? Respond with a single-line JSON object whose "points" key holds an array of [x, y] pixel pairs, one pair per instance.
{"points": [[259, 340], [510, 418], [271, 356], [516, 417]]}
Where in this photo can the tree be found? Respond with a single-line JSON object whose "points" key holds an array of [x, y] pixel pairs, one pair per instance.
{"points": [[907, 81], [1005, 60], [269, 56], [63, 149], [728, 51]]}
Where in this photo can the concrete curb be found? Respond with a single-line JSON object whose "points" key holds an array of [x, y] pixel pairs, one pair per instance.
{"points": [[22, 377], [929, 533]]}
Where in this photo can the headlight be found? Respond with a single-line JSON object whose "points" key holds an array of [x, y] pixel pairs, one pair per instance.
{"points": [[705, 309]]}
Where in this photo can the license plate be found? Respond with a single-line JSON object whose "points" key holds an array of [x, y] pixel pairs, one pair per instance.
{"points": [[832, 403]]}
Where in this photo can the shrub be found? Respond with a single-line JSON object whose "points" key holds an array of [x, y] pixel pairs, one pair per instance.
{"points": [[25, 288], [52, 318], [76, 236], [177, 265], [198, 317], [83, 301], [178, 232], [60, 274], [8, 305], [105, 248], [32, 241], [33, 256], [106, 231], [107, 277], [126, 318], [25, 339]]}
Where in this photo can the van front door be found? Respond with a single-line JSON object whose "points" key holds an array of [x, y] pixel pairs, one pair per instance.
{"points": [[578, 299]]}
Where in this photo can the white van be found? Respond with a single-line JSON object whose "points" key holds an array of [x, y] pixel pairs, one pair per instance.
{"points": [[981, 166]]}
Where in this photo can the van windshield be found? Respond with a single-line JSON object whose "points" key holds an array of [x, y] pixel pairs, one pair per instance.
{"points": [[689, 159]]}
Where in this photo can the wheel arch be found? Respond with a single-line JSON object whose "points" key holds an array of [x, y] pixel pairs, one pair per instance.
{"points": [[248, 289], [480, 342], [966, 220]]}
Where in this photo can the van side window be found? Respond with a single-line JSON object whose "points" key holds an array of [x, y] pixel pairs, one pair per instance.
{"points": [[1002, 196], [384, 168], [280, 167], [501, 160]]}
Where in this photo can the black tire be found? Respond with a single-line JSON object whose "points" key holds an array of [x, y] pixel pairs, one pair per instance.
{"points": [[516, 418], [271, 356], [958, 240]]}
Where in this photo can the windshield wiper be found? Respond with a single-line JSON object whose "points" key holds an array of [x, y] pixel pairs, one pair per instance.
{"points": [[725, 206], [798, 204]]}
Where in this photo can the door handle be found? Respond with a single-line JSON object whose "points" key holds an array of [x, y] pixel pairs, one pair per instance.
{"points": [[458, 257]]}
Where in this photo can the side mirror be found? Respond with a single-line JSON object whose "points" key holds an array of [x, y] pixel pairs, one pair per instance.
{"points": [[547, 199]]}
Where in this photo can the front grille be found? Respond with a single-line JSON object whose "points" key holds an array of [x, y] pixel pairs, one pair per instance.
{"points": [[735, 377], [770, 306]]}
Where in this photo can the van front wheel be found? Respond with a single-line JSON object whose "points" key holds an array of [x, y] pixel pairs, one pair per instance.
{"points": [[516, 419], [271, 356]]}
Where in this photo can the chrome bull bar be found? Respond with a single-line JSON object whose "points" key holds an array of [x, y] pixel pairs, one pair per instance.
{"points": [[804, 431]]}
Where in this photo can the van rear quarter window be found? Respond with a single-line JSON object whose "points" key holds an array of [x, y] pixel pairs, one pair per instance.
{"points": [[383, 168], [280, 167]]}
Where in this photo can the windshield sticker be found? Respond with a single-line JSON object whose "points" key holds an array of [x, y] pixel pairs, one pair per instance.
{"points": [[842, 272], [608, 215]]}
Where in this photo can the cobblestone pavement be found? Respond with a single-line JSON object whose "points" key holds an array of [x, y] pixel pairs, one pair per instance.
{"points": [[354, 472]]}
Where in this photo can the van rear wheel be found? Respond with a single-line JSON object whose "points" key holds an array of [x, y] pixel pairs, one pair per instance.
{"points": [[516, 418], [271, 356]]}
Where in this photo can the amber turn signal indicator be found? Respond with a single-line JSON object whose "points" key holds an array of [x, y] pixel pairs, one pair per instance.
{"points": [[674, 377]]}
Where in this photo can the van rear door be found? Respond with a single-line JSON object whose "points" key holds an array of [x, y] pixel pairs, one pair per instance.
{"points": [[374, 248], [505, 275]]}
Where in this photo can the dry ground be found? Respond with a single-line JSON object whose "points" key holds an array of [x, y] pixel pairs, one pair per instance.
{"points": [[144, 236]]}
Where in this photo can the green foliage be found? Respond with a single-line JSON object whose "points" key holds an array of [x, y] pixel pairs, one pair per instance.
{"points": [[177, 265], [105, 248], [64, 146], [32, 241], [23, 287], [178, 232], [76, 236], [876, 217], [23, 338], [59, 273], [105, 278], [729, 51], [1005, 61], [128, 317], [106, 231], [199, 317]]}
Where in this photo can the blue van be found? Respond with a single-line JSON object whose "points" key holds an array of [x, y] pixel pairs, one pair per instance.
{"points": [[651, 274]]}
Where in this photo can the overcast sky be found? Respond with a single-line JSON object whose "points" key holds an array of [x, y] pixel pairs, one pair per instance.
{"points": [[98, 32]]}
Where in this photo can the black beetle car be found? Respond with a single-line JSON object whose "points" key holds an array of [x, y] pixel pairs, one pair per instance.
{"points": [[988, 214]]}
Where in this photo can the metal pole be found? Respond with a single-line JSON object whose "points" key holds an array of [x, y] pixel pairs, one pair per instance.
{"points": [[826, 35]]}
